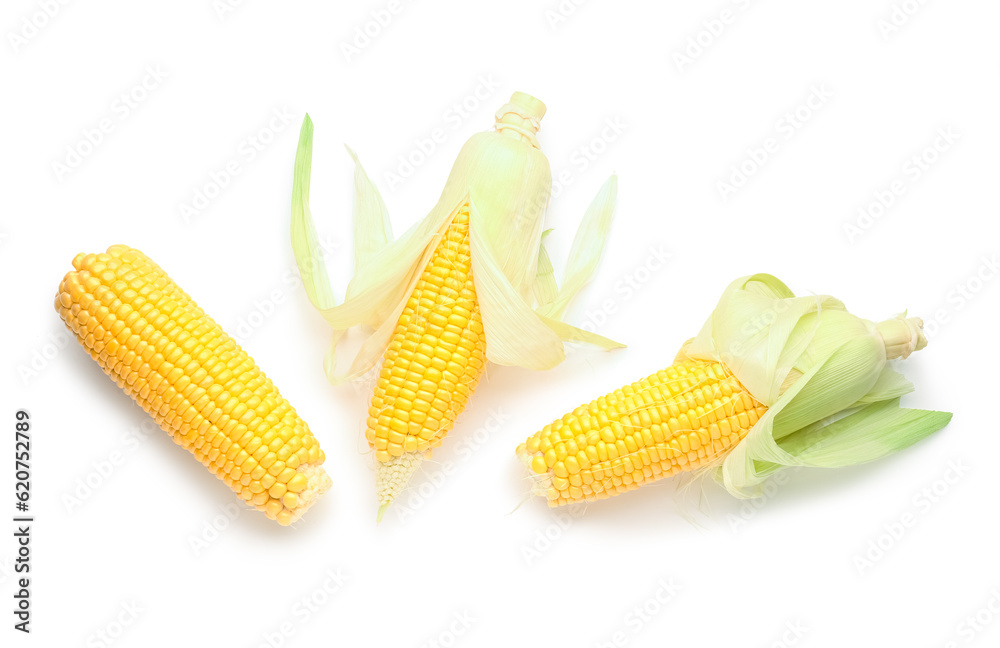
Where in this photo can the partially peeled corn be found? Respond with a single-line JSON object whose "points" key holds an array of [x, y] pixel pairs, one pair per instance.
{"points": [[771, 381], [193, 379], [468, 284]]}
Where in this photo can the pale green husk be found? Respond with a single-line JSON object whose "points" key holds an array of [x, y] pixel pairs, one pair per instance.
{"points": [[546, 290], [506, 182], [832, 398]]}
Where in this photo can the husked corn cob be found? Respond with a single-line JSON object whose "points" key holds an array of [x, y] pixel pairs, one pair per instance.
{"points": [[193, 379], [677, 419], [432, 365]]}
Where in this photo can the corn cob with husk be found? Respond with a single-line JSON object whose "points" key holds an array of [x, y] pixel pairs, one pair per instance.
{"points": [[771, 381], [469, 283], [193, 379]]}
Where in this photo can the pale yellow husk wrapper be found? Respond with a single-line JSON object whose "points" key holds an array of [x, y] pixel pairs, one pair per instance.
{"points": [[823, 373], [507, 182]]}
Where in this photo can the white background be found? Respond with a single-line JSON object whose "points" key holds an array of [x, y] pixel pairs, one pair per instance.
{"points": [[467, 550]]}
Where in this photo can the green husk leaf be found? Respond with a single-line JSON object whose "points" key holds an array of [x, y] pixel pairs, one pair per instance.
{"points": [[872, 432], [890, 384], [386, 269], [570, 333], [510, 183], [515, 334], [845, 375], [372, 229], [545, 289], [756, 331], [388, 280], [305, 243], [378, 288], [330, 359], [822, 372], [588, 246]]}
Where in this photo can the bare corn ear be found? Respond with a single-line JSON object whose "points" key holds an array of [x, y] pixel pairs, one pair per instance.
{"points": [[193, 379], [678, 419]]}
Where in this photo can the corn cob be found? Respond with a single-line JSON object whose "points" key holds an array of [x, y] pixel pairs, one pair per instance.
{"points": [[193, 379], [467, 284], [677, 419], [434, 362], [697, 415]]}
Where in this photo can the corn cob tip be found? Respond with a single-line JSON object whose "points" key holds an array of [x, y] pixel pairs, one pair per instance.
{"points": [[528, 105], [541, 482], [902, 336], [391, 478], [520, 118], [317, 483]]}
